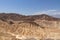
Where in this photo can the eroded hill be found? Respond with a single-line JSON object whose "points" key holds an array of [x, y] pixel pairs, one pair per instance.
{"points": [[35, 27]]}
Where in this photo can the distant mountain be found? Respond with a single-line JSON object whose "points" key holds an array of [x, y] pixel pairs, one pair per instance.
{"points": [[57, 15], [18, 17], [45, 17], [11, 16]]}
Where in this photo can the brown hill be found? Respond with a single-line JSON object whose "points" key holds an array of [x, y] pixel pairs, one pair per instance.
{"points": [[45, 17], [17, 17], [35, 27]]}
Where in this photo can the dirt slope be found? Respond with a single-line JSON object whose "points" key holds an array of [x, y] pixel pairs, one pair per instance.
{"points": [[36, 27]]}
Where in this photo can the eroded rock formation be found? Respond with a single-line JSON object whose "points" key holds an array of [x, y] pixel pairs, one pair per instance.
{"points": [[36, 27]]}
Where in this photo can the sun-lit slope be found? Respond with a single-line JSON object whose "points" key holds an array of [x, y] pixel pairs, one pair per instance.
{"points": [[25, 30], [29, 27], [22, 29]]}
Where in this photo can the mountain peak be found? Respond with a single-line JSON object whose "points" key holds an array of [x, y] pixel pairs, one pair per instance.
{"points": [[44, 16]]}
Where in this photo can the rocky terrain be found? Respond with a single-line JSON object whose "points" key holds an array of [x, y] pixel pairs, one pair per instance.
{"points": [[34, 27]]}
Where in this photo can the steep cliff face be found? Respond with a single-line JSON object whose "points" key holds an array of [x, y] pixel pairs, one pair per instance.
{"points": [[36, 27]]}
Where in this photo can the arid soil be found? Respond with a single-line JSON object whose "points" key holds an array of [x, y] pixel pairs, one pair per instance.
{"points": [[33, 27]]}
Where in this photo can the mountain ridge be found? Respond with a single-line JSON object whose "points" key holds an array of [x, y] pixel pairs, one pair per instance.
{"points": [[18, 17], [34, 27]]}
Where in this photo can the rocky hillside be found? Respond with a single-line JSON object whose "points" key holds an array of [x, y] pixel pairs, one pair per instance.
{"points": [[17, 17], [35, 27]]}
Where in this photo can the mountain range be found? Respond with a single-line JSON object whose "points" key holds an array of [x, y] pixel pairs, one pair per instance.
{"points": [[33, 27]]}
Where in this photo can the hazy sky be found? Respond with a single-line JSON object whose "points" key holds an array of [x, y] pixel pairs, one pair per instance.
{"points": [[29, 7]]}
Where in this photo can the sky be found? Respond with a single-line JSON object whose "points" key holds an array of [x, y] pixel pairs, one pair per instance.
{"points": [[30, 7]]}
